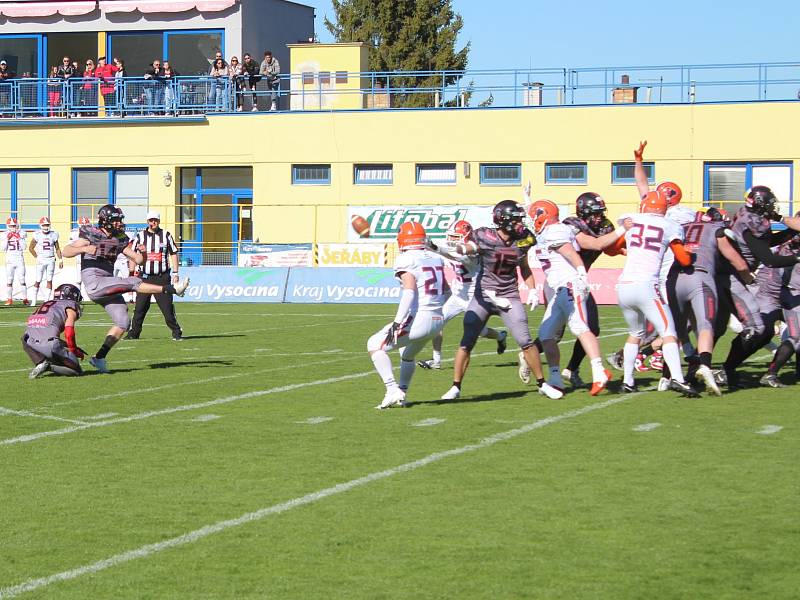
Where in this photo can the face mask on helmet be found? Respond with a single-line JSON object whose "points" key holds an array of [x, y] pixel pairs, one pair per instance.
{"points": [[67, 291], [591, 209], [44, 224], [12, 224], [671, 191], [760, 200], [508, 217], [111, 218], [458, 233], [543, 213]]}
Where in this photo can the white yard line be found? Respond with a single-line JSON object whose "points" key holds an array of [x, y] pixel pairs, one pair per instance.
{"points": [[25, 413], [314, 420], [205, 418], [428, 422], [258, 515], [769, 429], [647, 427]]}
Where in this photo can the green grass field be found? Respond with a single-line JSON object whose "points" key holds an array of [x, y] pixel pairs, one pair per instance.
{"points": [[248, 462]]}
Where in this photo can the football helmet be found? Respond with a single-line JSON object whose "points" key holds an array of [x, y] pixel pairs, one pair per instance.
{"points": [[760, 200], [508, 216], [542, 213], [67, 291], [654, 203], [591, 209], [44, 224], [411, 235], [671, 191], [715, 214], [111, 218], [83, 221], [12, 224], [459, 232]]}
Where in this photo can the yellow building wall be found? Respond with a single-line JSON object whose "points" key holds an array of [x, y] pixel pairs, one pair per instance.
{"points": [[681, 139], [316, 58]]}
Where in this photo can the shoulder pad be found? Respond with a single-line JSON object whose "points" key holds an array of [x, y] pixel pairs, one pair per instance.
{"points": [[578, 225], [91, 233]]}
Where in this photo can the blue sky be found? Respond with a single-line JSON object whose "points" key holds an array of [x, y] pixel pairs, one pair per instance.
{"points": [[508, 34]]}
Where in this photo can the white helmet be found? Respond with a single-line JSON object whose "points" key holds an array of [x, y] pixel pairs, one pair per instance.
{"points": [[12, 224], [44, 224]]}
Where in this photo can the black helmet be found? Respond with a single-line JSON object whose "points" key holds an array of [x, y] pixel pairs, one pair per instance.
{"points": [[760, 200], [508, 216], [714, 214], [67, 291], [111, 218], [588, 204]]}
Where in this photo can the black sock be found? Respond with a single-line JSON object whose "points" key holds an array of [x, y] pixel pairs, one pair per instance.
{"points": [[457, 384], [540, 381], [577, 356], [665, 372], [782, 355], [736, 354], [705, 359], [106, 347]]}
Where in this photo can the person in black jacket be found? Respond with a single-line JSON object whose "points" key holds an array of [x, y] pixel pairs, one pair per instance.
{"points": [[154, 88]]}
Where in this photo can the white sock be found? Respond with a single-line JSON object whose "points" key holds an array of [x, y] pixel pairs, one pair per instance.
{"points": [[598, 372], [407, 368], [437, 356], [383, 365], [629, 353], [673, 359]]}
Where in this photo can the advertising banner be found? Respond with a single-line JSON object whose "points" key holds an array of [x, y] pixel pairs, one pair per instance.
{"points": [[343, 286], [385, 220], [351, 255], [232, 284], [276, 255]]}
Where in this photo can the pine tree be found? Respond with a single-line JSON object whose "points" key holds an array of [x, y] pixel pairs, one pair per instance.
{"points": [[405, 35]]}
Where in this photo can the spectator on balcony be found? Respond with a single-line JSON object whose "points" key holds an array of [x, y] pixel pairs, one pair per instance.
{"points": [[171, 89], [154, 88], [271, 69], [235, 72], [89, 89], [105, 73], [119, 85], [250, 77], [66, 69], [220, 75], [217, 56], [6, 75], [54, 85]]}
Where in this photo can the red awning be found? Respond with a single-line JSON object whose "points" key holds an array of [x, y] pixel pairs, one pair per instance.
{"points": [[164, 6], [36, 8]]}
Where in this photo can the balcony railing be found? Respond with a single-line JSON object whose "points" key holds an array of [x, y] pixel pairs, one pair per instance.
{"points": [[139, 97]]}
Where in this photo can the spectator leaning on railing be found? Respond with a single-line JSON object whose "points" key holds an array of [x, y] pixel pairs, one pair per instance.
{"points": [[89, 89], [220, 75], [119, 85], [271, 69], [105, 73], [235, 71], [250, 77], [54, 83], [154, 88], [6, 75], [171, 89]]}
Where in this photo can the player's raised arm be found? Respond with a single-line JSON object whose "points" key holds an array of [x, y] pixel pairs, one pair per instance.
{"points": [[639, 174], [77, 247]]}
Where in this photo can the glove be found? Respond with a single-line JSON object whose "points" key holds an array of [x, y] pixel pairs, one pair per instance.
{"points": [[78, 351], [501, 303], [392, 334], [108, 249], [533, 299]]}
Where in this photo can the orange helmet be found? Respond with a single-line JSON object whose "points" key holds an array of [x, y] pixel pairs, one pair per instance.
{"points": [[84, 221], [543, 213], [44, 224], [672, 192], [459, 232], [11, 222], [653, 202], [411, 235]]}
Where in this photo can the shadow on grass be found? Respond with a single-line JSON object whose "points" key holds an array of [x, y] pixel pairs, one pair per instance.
{"points": [[190, 363], [481, 398]]}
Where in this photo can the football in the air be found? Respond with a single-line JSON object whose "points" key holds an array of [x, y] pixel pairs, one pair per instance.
{"points": [[360, 225]]}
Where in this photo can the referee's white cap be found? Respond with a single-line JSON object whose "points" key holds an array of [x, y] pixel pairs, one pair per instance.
{"points": [[153, 214]]}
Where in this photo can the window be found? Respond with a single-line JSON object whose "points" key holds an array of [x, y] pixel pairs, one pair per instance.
{"points": [[190, 52], [436, 174], [373, 174], [25, 195], [324, 77], [341, 76], [508, 174], [726, 183], [565, 173], [311, 174], [623, 172], [126, 188], [308, 77]]}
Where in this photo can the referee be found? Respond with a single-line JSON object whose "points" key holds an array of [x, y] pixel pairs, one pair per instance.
{"points": [[160, 248]]}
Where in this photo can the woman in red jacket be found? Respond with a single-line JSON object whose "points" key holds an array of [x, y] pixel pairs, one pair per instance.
{"points": [[105, 73], [89, 90]]}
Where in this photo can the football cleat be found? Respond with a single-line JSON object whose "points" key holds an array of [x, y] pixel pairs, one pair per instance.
{"points": [[99, 364], [771, 380], [663, 385], [639, 364], [656, 360], [502, 342], [180, 287], [429, 364], [707, 376], [683, 388], [599, 386], [630, 389], [26, 302], [39, 369], [615, 359], [574, 378], [9, 302], [548, 390], [451, 394], [395, 397], [524, 371]]}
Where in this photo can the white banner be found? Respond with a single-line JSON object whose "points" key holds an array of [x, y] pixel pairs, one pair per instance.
{"points": [[384, 221]]}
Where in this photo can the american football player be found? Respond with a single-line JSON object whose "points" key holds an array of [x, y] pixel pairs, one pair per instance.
{"points": [[99, 247], [419, 312], [13, 244], [44, 248]]}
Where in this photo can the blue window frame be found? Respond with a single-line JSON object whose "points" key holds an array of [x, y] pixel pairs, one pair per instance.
{"points": [[622, 173], [501, 174], [565, 173], [725, 183], [126, 188], [436, 174], [189, 49], [373, 174], [25, 195], [311, 174]]}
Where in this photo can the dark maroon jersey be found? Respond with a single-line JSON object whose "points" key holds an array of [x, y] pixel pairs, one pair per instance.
{"points": [[499, 261]]}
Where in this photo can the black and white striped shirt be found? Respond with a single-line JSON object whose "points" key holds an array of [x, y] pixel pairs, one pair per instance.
{"points": [[159, 245]]}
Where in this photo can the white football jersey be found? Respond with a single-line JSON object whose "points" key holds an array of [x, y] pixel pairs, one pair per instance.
{"points": [[558, 270], [681, 215], [466, 269], [428, 269], [647, 242], [45, 245], [13, 244]]}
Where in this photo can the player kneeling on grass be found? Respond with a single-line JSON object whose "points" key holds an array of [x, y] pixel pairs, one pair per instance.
{"points": [[557, 252], [42, 340], [419, 313], [99, 247]]}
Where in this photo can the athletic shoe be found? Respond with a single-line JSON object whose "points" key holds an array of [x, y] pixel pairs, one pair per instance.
{"points": [[731, 380], [548, 390], [502, 342], [451, 394], [683, 388], [663, 385], [395, 397], [639, 364], [656, 360], [99, 364], [630, 389], [131, 337], [574, 378], [39, 369], [180, 287], [26, 302], [615, 359], [177, 338], [599, 386], [33, 303], [720, 377], [768, 380], [524, 371], [707, 376], [429, 364], [9, 302]]}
